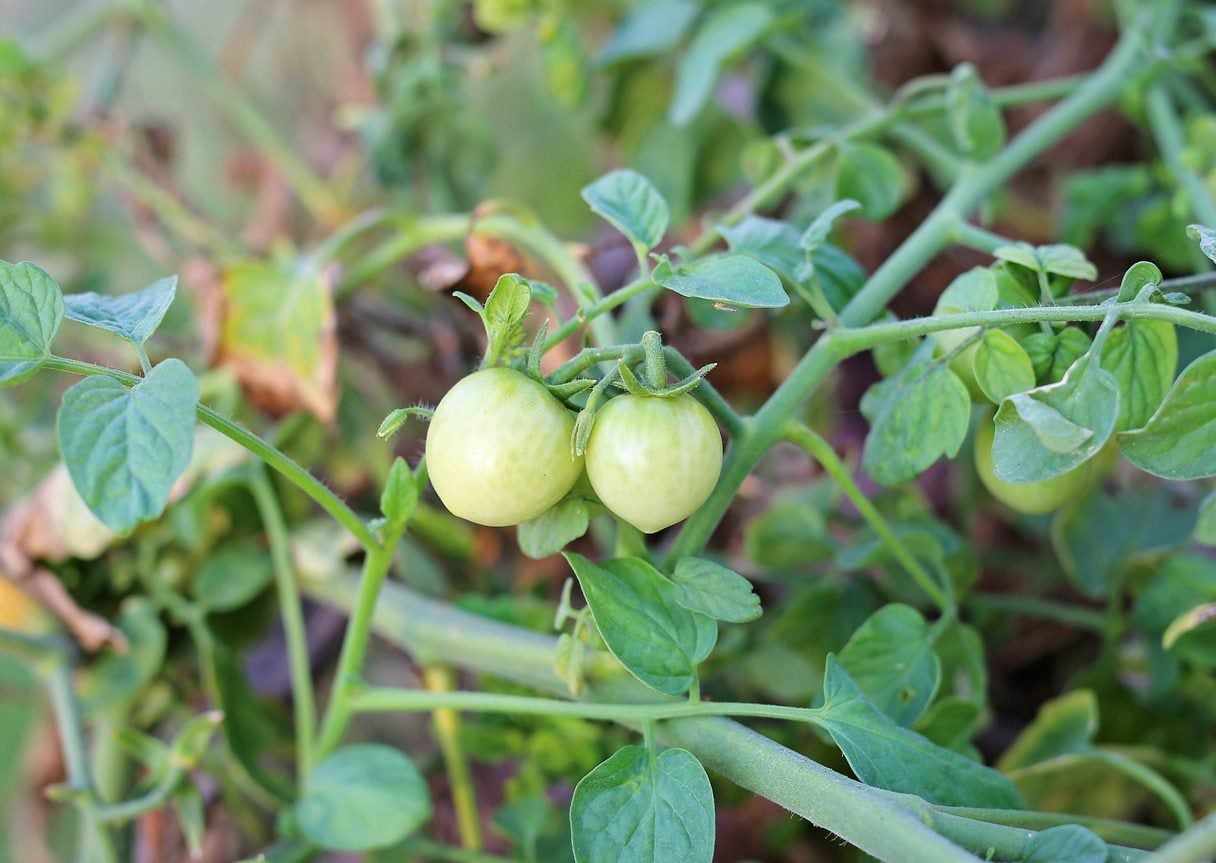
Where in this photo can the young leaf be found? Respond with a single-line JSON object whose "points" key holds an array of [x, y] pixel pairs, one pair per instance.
{"points": [[870, 175], [1143, 356], [631, 204], [975, 121], [1050, 430], [1137, 277], [1064, 725], [126, 447], [1205, 237], [31, 310], [504, 314], [564, 59], [134, 316], [950, 722], [639, 808], [772, 243], [1179, 441], [659, 641], [727, 31], [888, 756], [915, 417], [1002, 368], [1058, 259], [1188, 622], [1052, 354], [363, 797], [820, 229], [733, 280], [553, 529], [890, 657], [400, 494], [714, 590], [1069, 843]]}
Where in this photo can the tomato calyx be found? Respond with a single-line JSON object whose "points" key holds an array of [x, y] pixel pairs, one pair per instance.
{"points": [[652, 383]]}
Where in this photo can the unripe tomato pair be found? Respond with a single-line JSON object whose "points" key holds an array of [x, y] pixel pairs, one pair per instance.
{"points": [[498, 453]]}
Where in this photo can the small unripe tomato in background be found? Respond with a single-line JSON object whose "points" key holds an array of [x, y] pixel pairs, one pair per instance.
{"points": [[498, 448], [652, 460], [1029, 498]]}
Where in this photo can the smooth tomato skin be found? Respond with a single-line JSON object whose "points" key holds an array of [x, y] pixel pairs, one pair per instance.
{"points": [[498, 449], [653, 461], [1030, 498]]}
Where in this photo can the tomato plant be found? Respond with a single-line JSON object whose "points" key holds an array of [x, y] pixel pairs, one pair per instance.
{"points": [[918, 549]]}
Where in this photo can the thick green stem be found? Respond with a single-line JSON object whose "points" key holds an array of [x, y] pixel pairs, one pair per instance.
{"points": [[295, 633], [594, 310], [1121, 832], [410, 235], [1196, 845], [1046, 609], [297, 475], [354, 645], [1167, 129]]}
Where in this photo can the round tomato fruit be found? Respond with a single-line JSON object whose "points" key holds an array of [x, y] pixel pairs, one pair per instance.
{"points": [[1029, 498], [498, 449], [654, 460]]}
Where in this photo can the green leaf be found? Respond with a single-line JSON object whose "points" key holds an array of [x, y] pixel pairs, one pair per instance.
{"points": [[1095, 537], [553, 529], [975, 121], [1143, 356], [771, 242], [1205, 237], [870, 175], [124, 448], [659, 641], [650, 28], [820, 229], [362, 797], [726, 32], [1187, 623], [400, 495], [886, 755], [31, 310], [1205, 527], [1138, 276], [231, 576], [1058, 259], [1069, 843], [1002, 368], [134, 316], [1050, 430], [714, 590], [733, 280], [1064, 725], [890, 657], [191, 813], [1052, 354], [503, 315], [790, 533], [915, 417], [1179, 440], [631, 204], [635, 808]]}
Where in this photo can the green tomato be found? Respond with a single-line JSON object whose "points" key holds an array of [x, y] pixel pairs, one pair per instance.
{"points": [[653, 461], [1029, 498], [498, 449]]}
